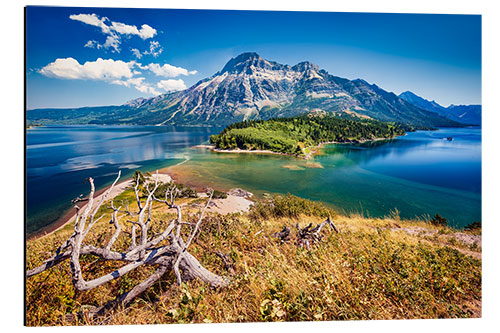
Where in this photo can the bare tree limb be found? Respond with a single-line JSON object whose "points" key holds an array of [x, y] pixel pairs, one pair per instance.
{"points": [[308, 235], [149, 251]]}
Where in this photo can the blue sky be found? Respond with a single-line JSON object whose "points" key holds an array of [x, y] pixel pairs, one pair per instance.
{"points": [[106, 56]]}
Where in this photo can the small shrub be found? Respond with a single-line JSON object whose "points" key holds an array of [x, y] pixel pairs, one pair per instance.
{"points": [[184, 190], [219, 195], [473, 226], [288, 206], [188, 192], [139, 175], [438, 220]]}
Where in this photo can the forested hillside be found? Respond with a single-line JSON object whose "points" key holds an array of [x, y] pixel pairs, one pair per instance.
{"points": [[293, 135]]}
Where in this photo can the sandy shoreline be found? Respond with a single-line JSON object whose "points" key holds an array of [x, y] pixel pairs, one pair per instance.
{"points": [[257, 151], [313, 149]]}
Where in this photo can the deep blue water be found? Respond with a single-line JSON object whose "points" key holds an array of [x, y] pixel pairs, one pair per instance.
{"points": [[60, 158], [419, 174], [428, 157]]}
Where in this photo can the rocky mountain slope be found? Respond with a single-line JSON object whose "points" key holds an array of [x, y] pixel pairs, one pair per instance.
{"points": [[251, 87], [465, 114]]}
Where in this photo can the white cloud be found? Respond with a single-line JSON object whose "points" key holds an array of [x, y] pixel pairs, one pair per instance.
{"points": [[124, 29], [145, 32], [154, 49], [70, 68], [113, 42], [171, 85], [147, 89], [130, 82], [113, 30], [138, 64], [92, 44], [118, 72], [136, 53], [168, 70], [93, 19], [139, 84]]}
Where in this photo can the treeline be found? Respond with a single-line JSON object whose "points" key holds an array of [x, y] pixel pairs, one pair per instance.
{"points": [[292, 135]]}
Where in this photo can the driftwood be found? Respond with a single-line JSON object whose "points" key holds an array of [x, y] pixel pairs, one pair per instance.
{"points": [[78, 199], [308, 235], [283, 235], [166, 250]]}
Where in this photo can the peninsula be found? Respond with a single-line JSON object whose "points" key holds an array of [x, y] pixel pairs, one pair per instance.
{"points": [[299, 135]]}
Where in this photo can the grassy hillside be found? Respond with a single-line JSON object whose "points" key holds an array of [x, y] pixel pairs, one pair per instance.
{"points": [[373, 269], [293, 135]]}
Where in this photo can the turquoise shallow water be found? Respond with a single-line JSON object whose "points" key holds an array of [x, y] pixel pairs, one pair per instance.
{"points": [[418, 174]]}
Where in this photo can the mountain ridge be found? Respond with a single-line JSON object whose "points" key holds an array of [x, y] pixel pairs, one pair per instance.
{"points": [[251, 87], [465, 114]]}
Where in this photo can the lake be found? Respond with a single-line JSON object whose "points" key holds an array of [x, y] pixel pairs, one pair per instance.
{"points": [[60, 158], [419, 174]]}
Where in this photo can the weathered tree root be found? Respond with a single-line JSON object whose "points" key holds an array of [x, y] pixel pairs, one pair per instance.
{"points": [[147, 251], [283, 235], [306, 236]]}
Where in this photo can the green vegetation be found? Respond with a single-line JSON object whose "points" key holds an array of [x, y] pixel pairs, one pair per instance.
{"points": [[184, 190], [372, 269], [219, 195], [139, 177], [294, 135], [438, 220], [473, 226], [288, 206]]}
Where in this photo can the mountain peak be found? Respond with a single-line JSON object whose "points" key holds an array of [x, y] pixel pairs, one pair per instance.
{"points": [[420, 101], [407, 93], [306, 65], [243, 61], [247, 56], [250, 87]]}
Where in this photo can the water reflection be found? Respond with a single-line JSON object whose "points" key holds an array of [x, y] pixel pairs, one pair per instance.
{"points": [[424, 157], [60, 158]]}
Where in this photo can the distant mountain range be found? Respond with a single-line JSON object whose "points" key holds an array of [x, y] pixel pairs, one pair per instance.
{"points": [[465, 114], [250, 87]]}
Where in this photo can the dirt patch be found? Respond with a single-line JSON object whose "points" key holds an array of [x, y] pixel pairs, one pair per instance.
{"points": [[232, 204], [162, 178]]}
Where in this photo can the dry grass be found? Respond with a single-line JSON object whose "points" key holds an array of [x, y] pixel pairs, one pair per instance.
{"points": [[371, 270]]}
